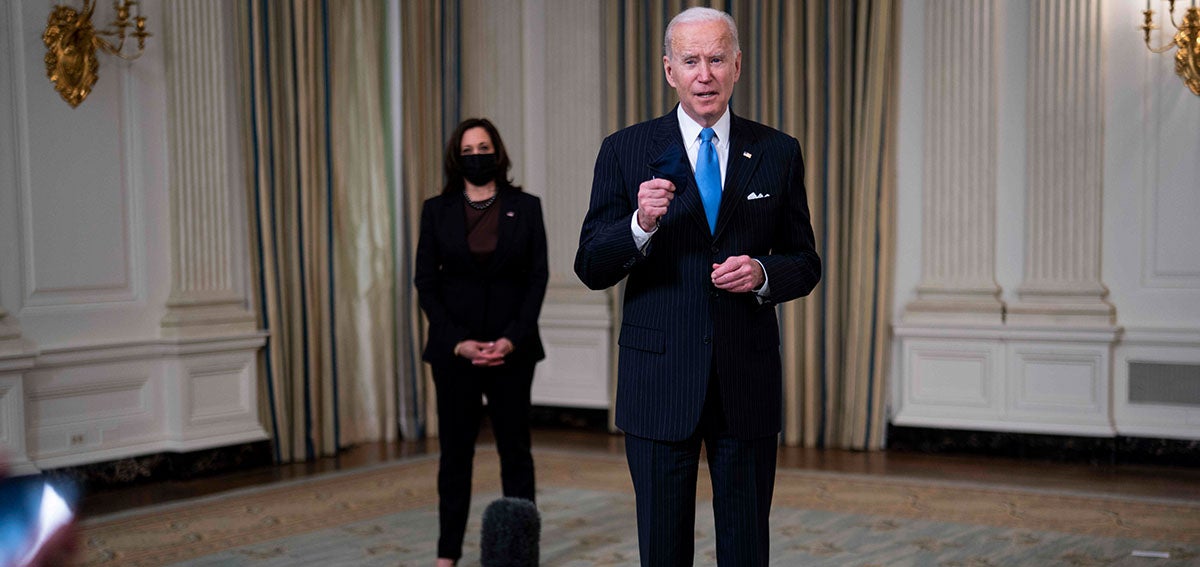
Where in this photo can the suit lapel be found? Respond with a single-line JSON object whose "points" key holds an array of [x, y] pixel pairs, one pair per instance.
{"points": [[455, 221], [743, 161], [506, 223], [669, 161]]}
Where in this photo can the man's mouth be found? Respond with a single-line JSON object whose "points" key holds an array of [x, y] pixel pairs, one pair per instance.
{"points": [[706, 95]]}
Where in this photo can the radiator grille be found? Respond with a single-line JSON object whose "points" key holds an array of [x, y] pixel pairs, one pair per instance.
{"points": [[1162, 383]]}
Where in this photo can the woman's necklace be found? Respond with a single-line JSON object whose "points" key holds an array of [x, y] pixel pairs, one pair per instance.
{"points": [[480, 205]]}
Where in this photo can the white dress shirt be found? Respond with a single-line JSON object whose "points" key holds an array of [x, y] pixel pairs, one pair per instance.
{"points": [[690, 129]]}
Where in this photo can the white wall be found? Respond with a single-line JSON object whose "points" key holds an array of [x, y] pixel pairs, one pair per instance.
{"points": [[1149, 198], [534, 67], [1151, 203], [102, 355], [1152, 182]]}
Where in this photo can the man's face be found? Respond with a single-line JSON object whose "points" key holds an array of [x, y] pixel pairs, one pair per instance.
{"points": [[702, 68]]}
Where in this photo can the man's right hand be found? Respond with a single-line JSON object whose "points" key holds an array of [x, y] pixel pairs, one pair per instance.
{"points": [[654, 196]]}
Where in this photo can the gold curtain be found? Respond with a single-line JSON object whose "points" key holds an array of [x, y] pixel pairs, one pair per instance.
{"points": [[318, 278], [362, 223], [824, 72], [428, 34]]}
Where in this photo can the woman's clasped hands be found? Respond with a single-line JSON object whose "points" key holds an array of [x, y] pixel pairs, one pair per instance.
{"points": [[485, 353]]}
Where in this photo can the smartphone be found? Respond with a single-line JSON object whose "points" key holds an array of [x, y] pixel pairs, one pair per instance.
{"points": [[32, 508]]}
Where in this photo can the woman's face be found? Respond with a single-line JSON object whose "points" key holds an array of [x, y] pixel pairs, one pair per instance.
{"points": [[476, 141]]}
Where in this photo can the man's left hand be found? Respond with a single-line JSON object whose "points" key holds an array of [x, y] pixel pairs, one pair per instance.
{"points": [[738, 274]]}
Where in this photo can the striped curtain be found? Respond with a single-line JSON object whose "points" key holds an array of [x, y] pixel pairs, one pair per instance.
{"points": [[321, 223], [362, 222], [429, 47], [824, 72]]}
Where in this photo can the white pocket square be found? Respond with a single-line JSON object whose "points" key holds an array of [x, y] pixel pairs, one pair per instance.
{"points": [[754, 196]]}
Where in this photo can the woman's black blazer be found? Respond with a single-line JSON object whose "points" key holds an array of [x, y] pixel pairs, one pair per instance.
{"points": [[466, 299]]}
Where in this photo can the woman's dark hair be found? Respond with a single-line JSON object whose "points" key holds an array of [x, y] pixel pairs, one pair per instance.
{"points": [[453, 170]]}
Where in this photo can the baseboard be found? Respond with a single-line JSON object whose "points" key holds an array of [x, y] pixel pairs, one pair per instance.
{"points": [[167, 466], [569, 418], [1058, 448]]}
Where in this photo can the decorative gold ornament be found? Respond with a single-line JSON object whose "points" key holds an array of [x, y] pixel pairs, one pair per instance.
{"points": [[71, 44], [1186, 42]]}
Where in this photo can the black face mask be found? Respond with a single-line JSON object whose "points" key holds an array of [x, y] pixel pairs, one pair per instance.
{"points": [[479, 169]]}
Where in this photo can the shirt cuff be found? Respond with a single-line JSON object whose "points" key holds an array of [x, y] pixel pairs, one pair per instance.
{"points": [[640, 237], [763, 292]]}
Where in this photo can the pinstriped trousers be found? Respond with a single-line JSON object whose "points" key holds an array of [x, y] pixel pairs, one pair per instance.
{"points": [[664, 481]]}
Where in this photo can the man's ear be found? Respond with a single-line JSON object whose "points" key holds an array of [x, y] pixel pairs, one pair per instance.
{"points": [[667, 71]]}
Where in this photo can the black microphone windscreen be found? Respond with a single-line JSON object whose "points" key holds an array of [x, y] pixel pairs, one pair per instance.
{"points": [[511, 530]]}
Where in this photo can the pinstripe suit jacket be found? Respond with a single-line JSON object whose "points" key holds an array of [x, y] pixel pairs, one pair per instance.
{"points": [[677, 327]]}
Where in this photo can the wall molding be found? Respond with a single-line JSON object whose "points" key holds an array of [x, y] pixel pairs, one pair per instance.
{"points": [[156, 407], [1161, 346], [1154, 193], [43, 297], [1032, 379]]}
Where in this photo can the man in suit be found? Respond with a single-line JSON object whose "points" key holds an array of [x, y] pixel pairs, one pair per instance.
{"points": [[706, 215]]}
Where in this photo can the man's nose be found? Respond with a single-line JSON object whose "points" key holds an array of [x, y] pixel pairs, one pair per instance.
{"points": [[705, 73]]}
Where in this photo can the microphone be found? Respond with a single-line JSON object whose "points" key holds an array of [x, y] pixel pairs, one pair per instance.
{"points": [[511, 529]]}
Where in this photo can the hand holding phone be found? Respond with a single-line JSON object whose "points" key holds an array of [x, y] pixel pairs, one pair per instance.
{"points": [[35, 521], [654, 196]]}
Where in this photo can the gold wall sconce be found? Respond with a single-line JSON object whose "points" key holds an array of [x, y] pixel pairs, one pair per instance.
{"points": [[71, 44], [1186, 41]]}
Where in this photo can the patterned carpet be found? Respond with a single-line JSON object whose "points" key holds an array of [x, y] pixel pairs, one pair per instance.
{"points": [[387, 515]]}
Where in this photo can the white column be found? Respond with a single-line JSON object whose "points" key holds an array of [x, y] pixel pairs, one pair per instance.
{"points": [[958, 254], [1065, 169], [206, 297], [563, 106]]}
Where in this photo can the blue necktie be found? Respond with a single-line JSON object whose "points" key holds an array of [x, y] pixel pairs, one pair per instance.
{"points": [[708, 178]]}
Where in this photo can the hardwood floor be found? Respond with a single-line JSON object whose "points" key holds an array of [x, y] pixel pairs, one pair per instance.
{"points": [[1116, 480]]}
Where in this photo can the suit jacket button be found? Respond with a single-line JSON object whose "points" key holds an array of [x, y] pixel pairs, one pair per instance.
{"points": [[707, 339], [715, 249]]}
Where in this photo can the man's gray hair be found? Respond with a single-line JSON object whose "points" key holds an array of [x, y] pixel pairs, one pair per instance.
{"points": [[696, 15]]}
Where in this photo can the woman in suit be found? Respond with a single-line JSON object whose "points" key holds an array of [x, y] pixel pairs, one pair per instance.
{"points": [[481, 275]]}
